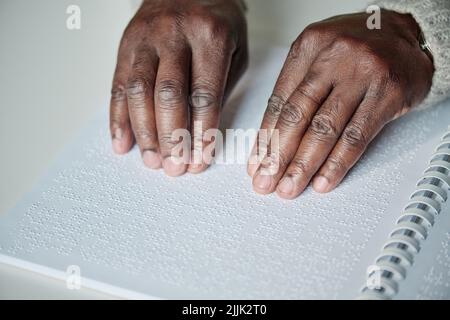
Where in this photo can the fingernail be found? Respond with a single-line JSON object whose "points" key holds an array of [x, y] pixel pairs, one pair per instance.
{"points": [[174, 166], [321, 184], [286, 186], [151, 159], [263, 182]]}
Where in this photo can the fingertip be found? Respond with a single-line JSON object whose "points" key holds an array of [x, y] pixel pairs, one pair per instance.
{"points": [[286, 189], [286, 196], [152, 159], [197, 168], [121, 142], [262, 183], [291, 187], [117, 147], [174, 166], [197, 164], [321, 184]]}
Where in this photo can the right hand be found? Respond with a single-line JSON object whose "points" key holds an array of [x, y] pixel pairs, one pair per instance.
{"points": [[177, 63], [340, 85]]}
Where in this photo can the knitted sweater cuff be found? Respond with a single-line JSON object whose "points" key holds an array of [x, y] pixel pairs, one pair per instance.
{"points": [[433, 16]]}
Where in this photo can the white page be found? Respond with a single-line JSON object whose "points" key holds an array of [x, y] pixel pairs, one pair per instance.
{"points": [[137, 233]]}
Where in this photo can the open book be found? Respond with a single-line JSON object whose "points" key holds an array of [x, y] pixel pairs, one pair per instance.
{"points": [[135, 233]]}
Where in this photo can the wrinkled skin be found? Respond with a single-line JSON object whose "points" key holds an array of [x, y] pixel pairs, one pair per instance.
{"points": [[178, 61], [340, 85]]}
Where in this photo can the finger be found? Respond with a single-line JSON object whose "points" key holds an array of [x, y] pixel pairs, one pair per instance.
{"points": [[319, 139], [294, 70], [119, 121], [293, 121], [239, 63], [359, 132], [141, 105], [210, 68], [171, 108]]}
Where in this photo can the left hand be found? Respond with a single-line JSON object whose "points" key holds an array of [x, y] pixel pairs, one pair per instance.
{"points": [[178, 61], [340, 85]]}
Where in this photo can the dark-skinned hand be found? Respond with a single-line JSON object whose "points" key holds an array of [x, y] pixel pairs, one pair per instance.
{"points": [[340, 85], [178, 60]]}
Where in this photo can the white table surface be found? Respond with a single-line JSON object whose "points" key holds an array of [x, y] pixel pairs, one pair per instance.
{"points": [[50, 79]]}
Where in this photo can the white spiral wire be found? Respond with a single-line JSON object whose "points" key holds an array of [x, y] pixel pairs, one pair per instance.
{"points": [[411, 228]]}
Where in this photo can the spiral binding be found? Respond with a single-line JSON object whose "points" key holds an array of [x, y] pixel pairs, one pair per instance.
{"points": [[411, 228]]}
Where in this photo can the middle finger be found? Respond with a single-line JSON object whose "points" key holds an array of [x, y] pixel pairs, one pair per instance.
{"points": [[171, 106]]}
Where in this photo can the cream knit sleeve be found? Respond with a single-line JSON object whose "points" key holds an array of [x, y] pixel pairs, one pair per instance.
{"points": [[433, 16]]}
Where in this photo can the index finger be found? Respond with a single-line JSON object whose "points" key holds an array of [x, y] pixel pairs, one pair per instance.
{"points": [[293, 121], [292, 74]]}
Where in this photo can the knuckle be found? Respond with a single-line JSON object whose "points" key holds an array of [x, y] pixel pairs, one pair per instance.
{"points": [[203, 101], [118, 93], [298, 167], [354, 136], [293, 116], [205, 20], [336, 165], [166, 141], [310, 33], [380, 66], [170, 20], [373, 60], [213, 29], [323, 127], [274, 106], [346, 43], [295, 49], [144, 136], [304, 41], [212, 24], [307, 90], [137, 87], [170, 93]]}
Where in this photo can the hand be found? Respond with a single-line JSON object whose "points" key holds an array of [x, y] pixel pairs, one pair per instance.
{"points": [[340, 85], [177, 62]]}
